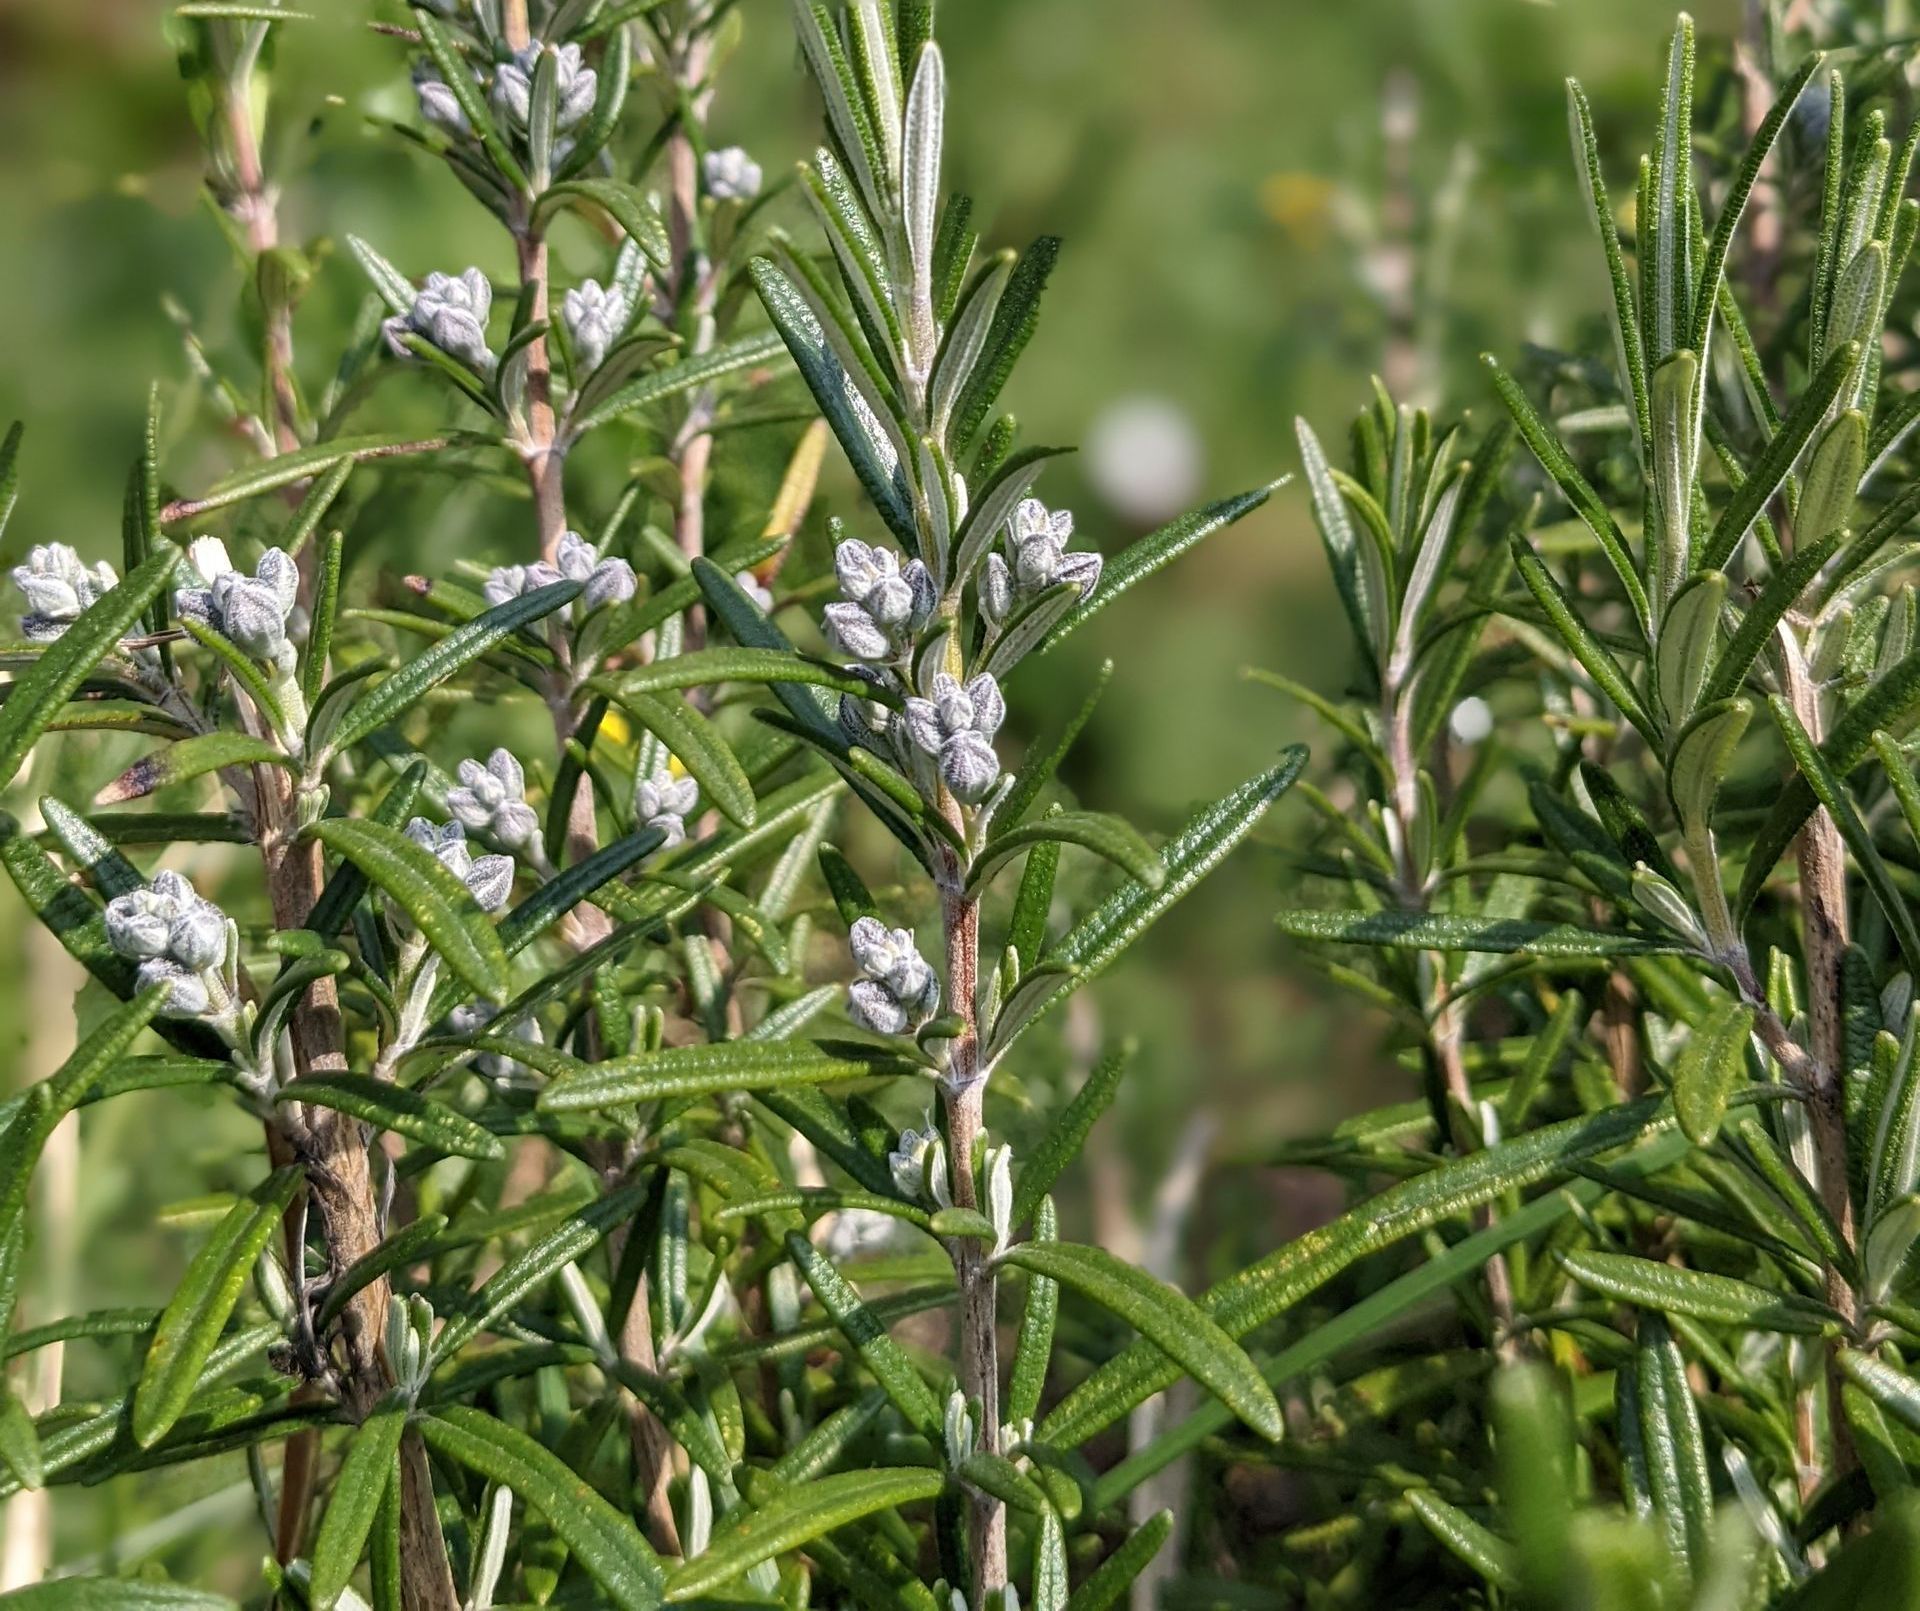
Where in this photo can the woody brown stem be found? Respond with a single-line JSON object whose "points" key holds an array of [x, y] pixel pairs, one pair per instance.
{"points": [[965, 1092]]}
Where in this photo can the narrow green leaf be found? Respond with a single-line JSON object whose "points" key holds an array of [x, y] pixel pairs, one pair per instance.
{"points": [[393, 1107], [605, 1543], [1063, 1142], [1284, 1277], [1139, 560], [35, 698], [393, 694], [1115, 1575], [284, 470], [1833, 478], [1166, 1318], [114, 1594], [429, 892], [1014, 322], [190, 758], [1698, 1294], [628, 207], [358, 1488], [705, 667], [1781, 594], [191, 1323], [1033, 1352], [454, 73], [1701, 754], [673, 380], [408, 1245], [1558, 464], [888, 1361], [1675, 1447], [1439, 931], [1831, 792], [680, 1071], [1104, 835], [795, 1517], [1709, 1069], [1600, 665], [1688, 638], [1485, 1552], [1093, 944]]}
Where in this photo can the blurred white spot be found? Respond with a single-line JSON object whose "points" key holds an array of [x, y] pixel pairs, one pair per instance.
{"points": [[1145, 459], [1471, 720]]}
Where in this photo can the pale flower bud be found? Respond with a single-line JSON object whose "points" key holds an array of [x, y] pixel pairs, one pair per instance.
{"points": [[58, 586], [594, 317], [489, 879], [606, 581], [438, 105], [662, 801], [576, 82], [918, 1165], [730, 174], [451, 312]]}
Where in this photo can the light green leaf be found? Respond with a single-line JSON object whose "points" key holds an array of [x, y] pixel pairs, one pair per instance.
{"points": [[1487, 1553], [605, 1543], [1688, 638], [393, 694], [1104, 835], [1831, 792], [1063, 1142], [1698, 1294], [533, 1266], [454, 73], [1593, 655], [408, 1245], [1439, 931], [387, 1106], [888, 1361], [681, 1071], [284, 470], [704, 667], [1709, 1069], [191, 1323], [1676, 449], [1701, 754], [1139, 560], [1676, 1451], [1166, 1318], [357, 1491], [1284, 1277], [1833, 478], [34, 699], [1093, 944], [1781, 594], [795, 1517], [113, 1594], [1033, 1352], [1115, 1575], [628, 207], [674, 379], [429, 892], [190, 758]]}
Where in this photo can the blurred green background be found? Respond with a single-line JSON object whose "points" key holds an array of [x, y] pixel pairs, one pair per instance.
{"points": [[1263, 202]]}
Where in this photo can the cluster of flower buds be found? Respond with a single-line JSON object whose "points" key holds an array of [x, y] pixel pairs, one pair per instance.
{"points": [[595, 316], [918, 1165], [439, 106], [410, 1344], [884, 603], [450, 311], [181, 940], [492, 801], [58, 586], [953, 733], [489, 879], [605, 581], [576, 85], [663, 801], [1037, 559], [900, 991], [257, 613], [730, 174]]}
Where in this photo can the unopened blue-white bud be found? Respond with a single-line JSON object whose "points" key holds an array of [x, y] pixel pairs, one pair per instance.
{"points": [[438, 104], [955, 729], [730, 174], [451, 312], [576, 83], [489, 879], [884, 603], [491, 800], [918, 1165], [58, 586], [198, 937], [188, 995], [595, 317], [605, 581], [1037, 559], [755, 589], [662, 801]]}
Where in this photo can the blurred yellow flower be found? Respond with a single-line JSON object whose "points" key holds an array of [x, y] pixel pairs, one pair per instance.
{"points": [[1301, 204]]}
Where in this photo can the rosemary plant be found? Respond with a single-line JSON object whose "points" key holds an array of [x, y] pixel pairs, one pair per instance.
{"points": [[542, 1283]]}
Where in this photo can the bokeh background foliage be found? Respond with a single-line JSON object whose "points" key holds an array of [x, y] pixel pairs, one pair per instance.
{"points": [[1262, 199]]}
